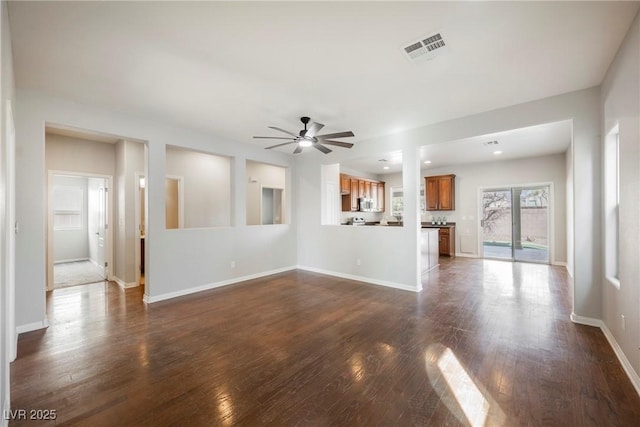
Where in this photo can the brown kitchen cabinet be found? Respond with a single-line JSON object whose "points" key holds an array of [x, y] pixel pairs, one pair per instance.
{"points": [[355, 193], [440, 192], [381, 196], [345, 184], [447, 241], [351, 188]]}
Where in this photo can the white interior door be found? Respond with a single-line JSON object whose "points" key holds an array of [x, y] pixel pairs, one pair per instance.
{"points": [[97, 223]]}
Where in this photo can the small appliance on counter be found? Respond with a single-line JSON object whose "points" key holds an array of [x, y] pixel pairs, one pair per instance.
{"points": [[357, 220]]}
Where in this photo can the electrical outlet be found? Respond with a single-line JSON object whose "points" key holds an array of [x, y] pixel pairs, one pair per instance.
{"points": [[358, 262], [623, 322], [233, 264]]}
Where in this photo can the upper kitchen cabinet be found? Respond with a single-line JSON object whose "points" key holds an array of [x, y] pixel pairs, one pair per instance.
{"points": [[345, 184], [354, 190], [440, 192]]}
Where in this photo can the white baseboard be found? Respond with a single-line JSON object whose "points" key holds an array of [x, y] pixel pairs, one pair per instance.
{"points": [[559, 263], [626, 365], [169, 295], [123, 284], [44, 323], [588, 321], [361, 279], [465, 255], [63, 261]]}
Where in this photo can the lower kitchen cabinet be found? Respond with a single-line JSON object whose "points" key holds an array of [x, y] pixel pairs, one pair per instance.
{"points": [[447, 240]]}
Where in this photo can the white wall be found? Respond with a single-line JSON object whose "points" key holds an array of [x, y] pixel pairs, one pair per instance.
{"points": [[471, 177], [69, 245], [569, 202], [64, 153], [394, 257], [620, 93], [178, 260], [261, 175], [206, 186], [7, 321]]}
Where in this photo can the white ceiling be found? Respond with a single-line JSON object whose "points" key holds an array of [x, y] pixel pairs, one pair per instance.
{"points": [[533, 141], [235, 68]]}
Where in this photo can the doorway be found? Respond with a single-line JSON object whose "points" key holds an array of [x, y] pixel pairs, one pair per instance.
{"points": [[515, 223], [78, 229], [141, 216]]}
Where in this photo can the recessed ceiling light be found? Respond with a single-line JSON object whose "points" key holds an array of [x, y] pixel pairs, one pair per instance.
{"points": [[386, 167], [426, 162], [497, 152]]}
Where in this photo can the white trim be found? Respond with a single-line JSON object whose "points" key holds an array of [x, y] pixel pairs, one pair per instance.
{"points": [[626, 365], [612, 281], [622, 358], [11, 227], [138, 221], [588, 321], [361, 279], [465, 255], [44, 323], [169, 295], [63, 261], [559, 263], [123, 284]]}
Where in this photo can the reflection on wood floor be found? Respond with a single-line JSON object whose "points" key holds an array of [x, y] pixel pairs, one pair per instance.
{"points": [[486, 343]]}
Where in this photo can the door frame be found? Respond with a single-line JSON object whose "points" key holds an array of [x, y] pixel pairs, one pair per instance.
{"points": [[550, 217], [49, 207], [138, 216], [11, 228]]}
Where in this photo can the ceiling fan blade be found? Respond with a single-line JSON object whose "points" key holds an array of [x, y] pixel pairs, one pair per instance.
{"points": [[335, 135], [337, 143], [313, 129], [280, 145], [297, 150], [285, 131], [322, 148], [272, 137]]}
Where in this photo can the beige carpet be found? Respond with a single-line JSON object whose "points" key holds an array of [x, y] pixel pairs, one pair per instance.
{"points": [[75, 273]]}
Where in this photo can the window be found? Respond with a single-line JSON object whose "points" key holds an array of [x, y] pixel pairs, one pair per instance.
{"points": [[397, 202], [612, 203], [67, 208]]}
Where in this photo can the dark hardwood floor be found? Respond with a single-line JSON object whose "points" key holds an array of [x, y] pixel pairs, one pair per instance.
{"points": [[486, 343]]}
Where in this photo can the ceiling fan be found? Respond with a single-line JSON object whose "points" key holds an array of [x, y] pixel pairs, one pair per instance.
{"points": [[310, 138]]}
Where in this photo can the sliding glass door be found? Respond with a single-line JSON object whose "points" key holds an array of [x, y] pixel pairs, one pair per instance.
{"points": [[515, 223]]}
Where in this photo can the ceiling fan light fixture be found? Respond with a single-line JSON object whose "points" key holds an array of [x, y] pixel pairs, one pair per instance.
{"points": [[303, 142]]}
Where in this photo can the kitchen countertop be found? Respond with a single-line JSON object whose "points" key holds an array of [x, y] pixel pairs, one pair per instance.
{"points": [[447, 225]]}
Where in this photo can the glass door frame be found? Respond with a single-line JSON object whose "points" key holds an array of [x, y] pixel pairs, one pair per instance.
{"points": [[511, 189]]}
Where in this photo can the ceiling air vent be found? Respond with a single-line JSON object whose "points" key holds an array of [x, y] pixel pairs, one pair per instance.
{"points": [[427, 47]]}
